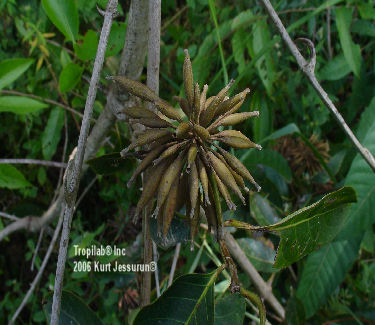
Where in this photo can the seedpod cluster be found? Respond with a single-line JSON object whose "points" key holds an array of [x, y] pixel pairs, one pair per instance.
{"points": [[183, 159]]}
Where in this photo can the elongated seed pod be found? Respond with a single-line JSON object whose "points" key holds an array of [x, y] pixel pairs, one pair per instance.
{"points": [[183, 130], [235, 139], [194, 224], [192, 154], [147, 137], [208, 102], [202, 103], [167, 139], [193, 188], [184, 105], [153, 180], [238, 166], [145, 163], [203, 179], [201, 132], [211, 213], [167, 180], [228, 104], [225, 175], [207, 115], [224, 192], [138, 112], [236, 118], [188, 79], [169, 151], [197, 102], [135, 88], [152, 122], [183, 191], [168, 110], [238, 178], [169, 207]]}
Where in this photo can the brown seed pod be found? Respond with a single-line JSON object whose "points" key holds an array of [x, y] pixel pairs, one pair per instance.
{"points": [[168, 110], [138, 112], [147, 137], [145, 163], [183, 130], [236, 118], [193, 188], [197, 102], [171, 150], [230, 103], [155, 122], [235, 139], [184, 105], [135, 88], [188, 79], [192, 154], [224, 192], [203, 177], [225, 175], [201, 132], [169, 207], [173, 172]]}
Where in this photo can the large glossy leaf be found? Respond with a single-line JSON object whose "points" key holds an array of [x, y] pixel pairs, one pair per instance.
{"points": [[11, 69], [189, 300], [20, 105], [111, 163], [73, 310], [260, 255], [261, 126], [295, 312], [323, 272], [308, 228], [367, 120], [352, 52], [69, 77], [64, 15], [116, 39], [311, 227], [230, 310], [291, 128], [52, 132], [335, 69], [11, 177]]}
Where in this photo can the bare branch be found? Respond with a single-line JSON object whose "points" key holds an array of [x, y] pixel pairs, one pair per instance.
{"points": [[264, 289], [174, 263], [73, 172], [40, 272], [308, 69], [34, 162], [156, 258], [8, 216], [45, 100]]}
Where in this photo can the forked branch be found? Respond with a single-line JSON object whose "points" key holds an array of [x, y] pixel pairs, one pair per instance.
{"points": [[308, 68]]}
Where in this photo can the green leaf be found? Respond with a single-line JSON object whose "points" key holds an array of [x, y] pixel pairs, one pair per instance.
{"points": [[323, 271], [363, 28], [267, 157], [295, 312], [11, 69], [230, 310], [262, 126], [335, 69], [69, 77], [367, 11], [178, 232], [366, 121], [87, 50], [52, 133], [189, 300], [74, 310], [12, 178], [111, 163], [262, 211], [288, 129], [265, 66], [308, 228], [64, 15], [20, 105], [116, 39], [260, 255], [352, 52], [239, 47]]}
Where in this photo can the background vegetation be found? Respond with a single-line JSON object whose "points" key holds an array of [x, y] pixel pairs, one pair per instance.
{"points": [[305, 155]]}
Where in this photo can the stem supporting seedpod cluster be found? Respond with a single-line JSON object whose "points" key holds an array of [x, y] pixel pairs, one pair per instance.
{"points": [[72, 179]]}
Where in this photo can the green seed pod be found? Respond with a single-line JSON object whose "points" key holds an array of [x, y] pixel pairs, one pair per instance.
{"points": [[235, 139], [188, 79], [184, 105], [183, 130], [168, 110], [138, 112]]}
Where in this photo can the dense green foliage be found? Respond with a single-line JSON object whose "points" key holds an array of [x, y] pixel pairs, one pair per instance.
{"points": [[47, 50]]}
